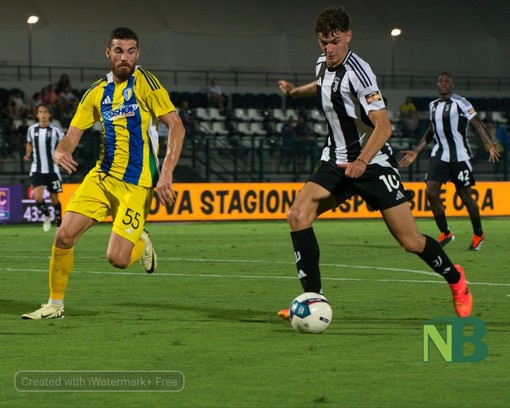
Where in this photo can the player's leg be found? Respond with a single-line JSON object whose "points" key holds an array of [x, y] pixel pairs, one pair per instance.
{"points": [[38, 192], [54, 187], [61, 265], [402, 226], [86, 207], [464, 191], [130, 241], [311, 201], [438, 173]]}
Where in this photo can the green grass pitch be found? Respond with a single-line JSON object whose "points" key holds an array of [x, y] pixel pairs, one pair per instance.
{"points": [[209, 312]]}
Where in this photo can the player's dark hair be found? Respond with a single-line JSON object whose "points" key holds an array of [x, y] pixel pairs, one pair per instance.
{"points": [[332, 20], [44, 105], [446, 74], [123, 33]]}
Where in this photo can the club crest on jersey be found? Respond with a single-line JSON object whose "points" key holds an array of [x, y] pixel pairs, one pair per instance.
{"points": [[336, 81], [127, 93], [373, 97]]}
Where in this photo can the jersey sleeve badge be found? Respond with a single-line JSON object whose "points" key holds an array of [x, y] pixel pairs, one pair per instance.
{"points": [[373, 97]]}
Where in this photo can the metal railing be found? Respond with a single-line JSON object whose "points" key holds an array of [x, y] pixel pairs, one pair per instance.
{"points": [[260, 159], [171, 77], [240, 158]]}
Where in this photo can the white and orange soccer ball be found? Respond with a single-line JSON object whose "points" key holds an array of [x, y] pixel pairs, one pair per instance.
{"points": [[310, 313]]}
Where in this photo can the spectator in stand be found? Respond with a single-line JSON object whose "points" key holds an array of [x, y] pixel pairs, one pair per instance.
{"points": [[68, 104], [216, 97], [502, 136], [34, 104], [408, 118], [288, 136], [16, 107], [62, 83], [188, 119], [303, 142], [49, 97]]}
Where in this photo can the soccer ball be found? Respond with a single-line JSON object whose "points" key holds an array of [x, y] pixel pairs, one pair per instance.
{"points": [[310, 313]]}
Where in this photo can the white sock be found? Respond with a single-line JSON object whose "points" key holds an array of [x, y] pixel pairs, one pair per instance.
{"points": [[56, 303]]}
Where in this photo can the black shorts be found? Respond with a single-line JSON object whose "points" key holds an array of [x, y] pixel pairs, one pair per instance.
{"points": [[51, 181], [459, 173], [379, 186]]}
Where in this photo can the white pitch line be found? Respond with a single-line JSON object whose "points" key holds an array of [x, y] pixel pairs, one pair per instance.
{"points": [[245, 261]]}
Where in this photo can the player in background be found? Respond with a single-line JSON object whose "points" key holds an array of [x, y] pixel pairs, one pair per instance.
{"points": [[356, 159], [42, 139], [128, 101], [451, 156]]}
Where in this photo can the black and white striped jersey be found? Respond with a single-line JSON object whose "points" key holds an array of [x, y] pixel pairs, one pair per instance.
{"points": [[44, 141], [347, 93], [450, 118]]}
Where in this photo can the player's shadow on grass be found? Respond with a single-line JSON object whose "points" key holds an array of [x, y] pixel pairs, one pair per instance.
{"points": [[209, 312], [391, 244]]}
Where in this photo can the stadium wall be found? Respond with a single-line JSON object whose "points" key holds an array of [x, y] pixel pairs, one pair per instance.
{"points": [[263, 201]]}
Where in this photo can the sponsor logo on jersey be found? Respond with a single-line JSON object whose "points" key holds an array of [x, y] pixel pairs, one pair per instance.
{"points": [[107, 100], [373, 97], [471, 111], [122, 111]]}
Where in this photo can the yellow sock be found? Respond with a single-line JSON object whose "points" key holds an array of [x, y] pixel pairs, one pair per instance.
{"points": [[61, 266], [137, 251]]}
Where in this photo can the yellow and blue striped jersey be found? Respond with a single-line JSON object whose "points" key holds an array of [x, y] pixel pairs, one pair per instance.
{"points": [[128, 112]]}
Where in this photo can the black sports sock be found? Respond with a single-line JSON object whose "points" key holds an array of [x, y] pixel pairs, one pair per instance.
{"points": [[44, 209], [441, 223], [477, 226], [436, 258], [306, 250]]}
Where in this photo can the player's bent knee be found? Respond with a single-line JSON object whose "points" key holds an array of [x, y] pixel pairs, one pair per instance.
{"points": [[412, 248], [63, 240], [414, 245], [296, 218], [118, 263]]}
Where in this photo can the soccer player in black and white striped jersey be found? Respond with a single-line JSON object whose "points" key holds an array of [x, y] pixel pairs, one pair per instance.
{"points": [[42, 139], [356, 159], [451, 156]]}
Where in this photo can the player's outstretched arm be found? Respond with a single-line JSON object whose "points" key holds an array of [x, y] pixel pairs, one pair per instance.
{"points": [[411, 155], [63, 154], [485, 135], [164, 188], [288, 88]]}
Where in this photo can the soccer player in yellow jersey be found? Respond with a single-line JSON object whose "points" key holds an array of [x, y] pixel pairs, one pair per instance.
{"points": [[128, 101]]}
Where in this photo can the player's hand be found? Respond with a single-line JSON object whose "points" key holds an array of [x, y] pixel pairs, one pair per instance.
{"points": [[354, 169], [65, 161], [409, 157], [493, 153], [285, 86], [165, 190]]}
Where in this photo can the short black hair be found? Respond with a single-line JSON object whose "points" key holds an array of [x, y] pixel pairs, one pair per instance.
{"points": [[446, 74], [123, 33], [331, 20]]}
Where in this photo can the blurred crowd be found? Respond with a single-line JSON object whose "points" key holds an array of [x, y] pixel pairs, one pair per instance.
{"points": [[17, 112]]}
